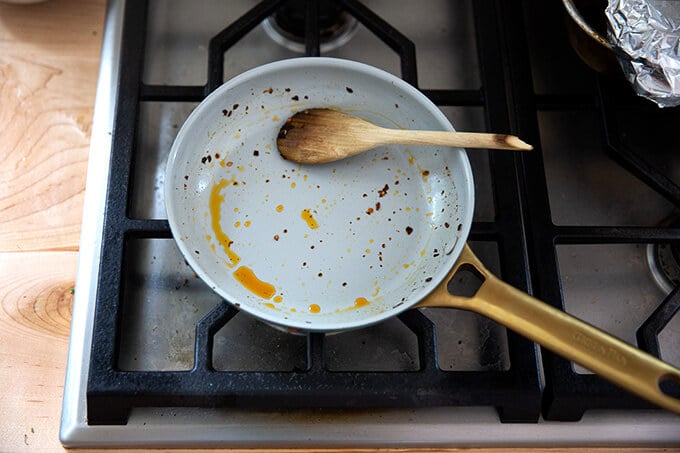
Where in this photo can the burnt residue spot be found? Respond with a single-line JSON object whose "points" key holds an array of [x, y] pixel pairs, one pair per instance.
{"points": [[234, 107], [186, 177], [224, 112], [369, 211], [364, 195], [382, 192], [229, 113], [349, 89], [377, 206], [207, 159], [217, 155], [306, 97], [344, 283], [276, 237], [287, 90], [197, 252], [396, 106], [435, 253], [428, 279], [426, 173], [409, 230], [447, 225], [269, 90], [256, 153], [320, 274], [459, 227], [296, 98]]}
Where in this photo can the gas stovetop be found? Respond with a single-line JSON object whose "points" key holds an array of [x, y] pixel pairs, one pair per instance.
{"points": [[586, 223]]}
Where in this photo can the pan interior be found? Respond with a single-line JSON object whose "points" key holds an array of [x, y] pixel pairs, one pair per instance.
{"points": [[324, 247]]}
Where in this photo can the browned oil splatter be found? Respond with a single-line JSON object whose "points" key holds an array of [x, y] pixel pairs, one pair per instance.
{"points": [[216, 200], [279, 208], [278, 299], [314, 308], [249, 280], [309, 219], [361, 302]]}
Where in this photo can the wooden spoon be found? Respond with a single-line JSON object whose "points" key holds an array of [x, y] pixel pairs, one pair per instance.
{"points": [[317, 136]]}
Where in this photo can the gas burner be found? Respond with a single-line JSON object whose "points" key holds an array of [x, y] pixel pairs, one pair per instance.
{"points": [[287, 27], [664, 260]]}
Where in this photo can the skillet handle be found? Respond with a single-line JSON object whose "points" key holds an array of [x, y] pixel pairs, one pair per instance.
{"points": [[573, 339]]}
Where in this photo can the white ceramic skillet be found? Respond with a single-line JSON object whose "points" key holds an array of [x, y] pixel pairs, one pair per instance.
{"points": [[348, 244]]}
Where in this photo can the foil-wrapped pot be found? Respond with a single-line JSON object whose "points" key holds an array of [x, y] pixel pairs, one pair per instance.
{"points": [[645, 35]]}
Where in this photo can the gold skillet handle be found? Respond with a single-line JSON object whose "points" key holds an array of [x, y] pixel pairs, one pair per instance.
{"points": [[573, 339]]}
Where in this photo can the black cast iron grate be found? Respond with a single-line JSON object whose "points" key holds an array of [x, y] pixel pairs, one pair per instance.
{"points": [[112, 392], [568, 394]]}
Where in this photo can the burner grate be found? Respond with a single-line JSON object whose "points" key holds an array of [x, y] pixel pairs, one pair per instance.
{"points": [[112, 392], [568, 394]]}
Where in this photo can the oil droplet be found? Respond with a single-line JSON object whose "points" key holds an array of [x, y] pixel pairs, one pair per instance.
{"points": [[292, 310], [235, 209], [307, 217], [314, 308], [411, 160], [323, 200], [208, 237], [237, 224], [279, 208], [216, 200], [275, 118], [292, 185], [361, 302], [269, 305], [241, 168], [246, 223], [278, 299], [249, 280], [405, 265]]}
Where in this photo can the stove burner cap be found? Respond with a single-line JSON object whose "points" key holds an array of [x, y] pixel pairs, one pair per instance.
{"points": [[287, 29], [664, 262]]}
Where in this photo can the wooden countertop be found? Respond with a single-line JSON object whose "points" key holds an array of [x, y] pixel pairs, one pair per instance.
{"points": [[49, 58]]}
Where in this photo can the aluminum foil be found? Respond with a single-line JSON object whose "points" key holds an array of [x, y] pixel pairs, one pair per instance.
{"points": [[645, 35]]}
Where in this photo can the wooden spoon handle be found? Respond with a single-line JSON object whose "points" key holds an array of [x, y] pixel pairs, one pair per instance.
{"points": [[456, 139]]}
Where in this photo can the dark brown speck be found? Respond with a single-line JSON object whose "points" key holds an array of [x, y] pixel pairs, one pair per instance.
{"points": [[409, 230], [349, 90]]}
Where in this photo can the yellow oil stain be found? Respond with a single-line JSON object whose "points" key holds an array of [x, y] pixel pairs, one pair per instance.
{"points": [[249, 280], [309, 219], [237, 224], [407, 209], [371, 241], [279, 208], [292, 185], [377, 290], [411, 160], [216, 200], [361, 302], [422, 252], [212, 247], [208, 237], [270, 305], [241, 168], [278, 299], [314, 308], [275, 118], [246, 223], [304, 178], [323, 200], [293, 310], [367, 251], [237, 135], [235, 209], [405, 265]]}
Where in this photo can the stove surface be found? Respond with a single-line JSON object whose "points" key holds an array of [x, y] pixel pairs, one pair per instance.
{"points": [[600, 217]]}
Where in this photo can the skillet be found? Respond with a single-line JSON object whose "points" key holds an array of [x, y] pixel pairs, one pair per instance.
{"points": [[344, 245]]}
